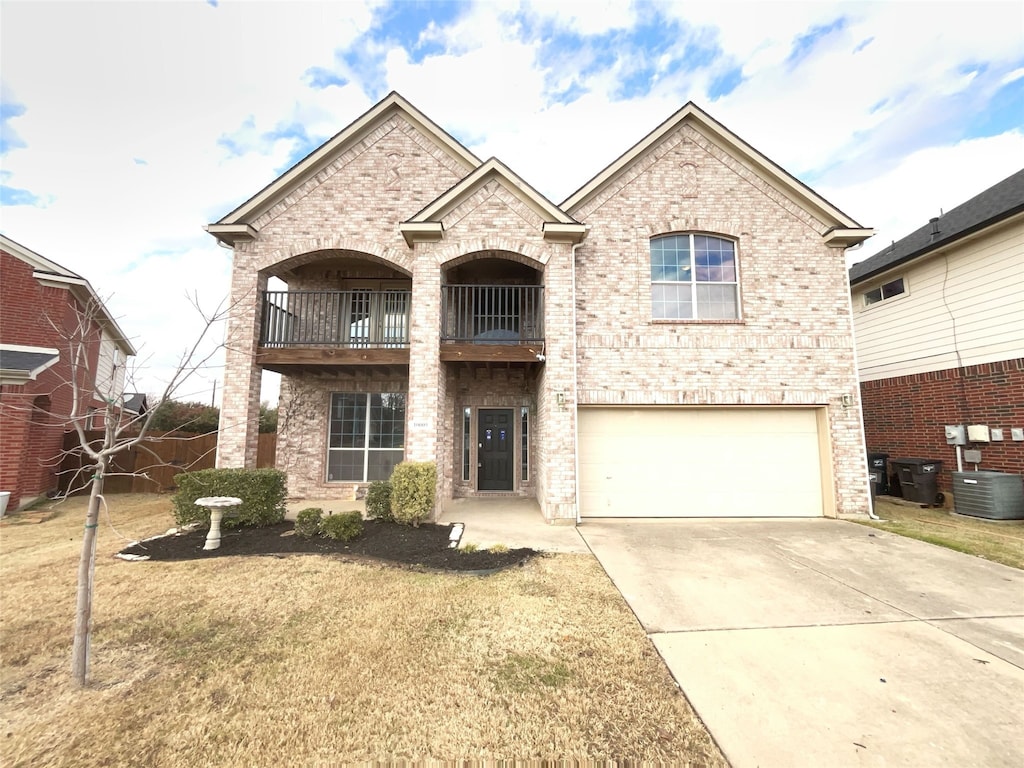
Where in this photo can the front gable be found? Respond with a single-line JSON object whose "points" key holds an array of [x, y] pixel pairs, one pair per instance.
{"points": [[492, 200], [390, 161], [690, 144]]}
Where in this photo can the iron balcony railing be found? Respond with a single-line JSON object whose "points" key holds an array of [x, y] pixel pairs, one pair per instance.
{"points": [[492, 314], [335, 318]]}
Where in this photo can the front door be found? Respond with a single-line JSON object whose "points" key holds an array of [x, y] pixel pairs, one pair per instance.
{"points": [[494, 450]]}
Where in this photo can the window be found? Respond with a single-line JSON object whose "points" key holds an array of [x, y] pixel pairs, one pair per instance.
{"points": [[367, 436], [466, 439], [693, 277], [524, 436], [886, 291]]}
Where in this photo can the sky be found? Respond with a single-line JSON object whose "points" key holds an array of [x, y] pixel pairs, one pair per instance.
{"points": [[128, 126]]}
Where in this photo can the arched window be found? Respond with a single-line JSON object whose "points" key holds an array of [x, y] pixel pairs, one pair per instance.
{"points": [[693, 277]]}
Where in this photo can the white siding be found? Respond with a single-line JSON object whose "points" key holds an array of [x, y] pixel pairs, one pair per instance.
{"points": [[109, 369], [967, 299]]}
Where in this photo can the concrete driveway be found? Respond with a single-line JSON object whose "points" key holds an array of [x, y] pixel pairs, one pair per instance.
{"points": [[826, 643]]}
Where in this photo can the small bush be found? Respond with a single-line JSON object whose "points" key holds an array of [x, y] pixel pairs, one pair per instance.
{"points": [[498, 549], [307, 522], [262, 492], [343, 526], [378, 500], [413, 485], [469, 546]]}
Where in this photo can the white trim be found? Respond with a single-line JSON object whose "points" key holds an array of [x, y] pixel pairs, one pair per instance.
{"points": [[23, 348]]}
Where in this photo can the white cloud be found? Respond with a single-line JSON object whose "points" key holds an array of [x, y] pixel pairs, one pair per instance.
{"points": [[123, 125], [924, 184]]}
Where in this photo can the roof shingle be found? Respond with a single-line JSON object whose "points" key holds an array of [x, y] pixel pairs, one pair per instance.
{"points": [[994, 204]]}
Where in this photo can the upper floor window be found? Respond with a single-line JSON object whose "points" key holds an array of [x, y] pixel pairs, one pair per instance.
{"points": [[886, 291], [693, 277]]}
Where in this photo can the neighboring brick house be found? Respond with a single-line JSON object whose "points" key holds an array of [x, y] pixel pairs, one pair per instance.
{"points": [[939, 317], [42, 306], [673, 339]]}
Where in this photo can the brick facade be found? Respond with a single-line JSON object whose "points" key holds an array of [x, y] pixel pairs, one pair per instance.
{"points": [[793, 344], [791, 347], [34, 414], [904, 416]]}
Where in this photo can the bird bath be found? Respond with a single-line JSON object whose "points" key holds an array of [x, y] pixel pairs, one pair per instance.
{"points": [[216, 505]]}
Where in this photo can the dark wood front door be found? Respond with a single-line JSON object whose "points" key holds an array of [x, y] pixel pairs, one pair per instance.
{"points": [[494, 450]]}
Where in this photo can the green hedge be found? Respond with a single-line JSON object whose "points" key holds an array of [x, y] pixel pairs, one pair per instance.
{"points": [[413, 487], [262, 492], [307, 522], [343, 526], [378, 500]]}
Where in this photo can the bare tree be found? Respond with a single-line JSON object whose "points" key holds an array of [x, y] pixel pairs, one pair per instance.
{"points": [[120, 433]]}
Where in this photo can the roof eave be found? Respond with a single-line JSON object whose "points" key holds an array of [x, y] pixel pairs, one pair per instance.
{"points": [[421, 232], [229, 234], [556, 232], [846, 237]]}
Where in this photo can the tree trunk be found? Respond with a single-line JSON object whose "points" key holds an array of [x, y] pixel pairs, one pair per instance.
{"points": [[86, 569]]}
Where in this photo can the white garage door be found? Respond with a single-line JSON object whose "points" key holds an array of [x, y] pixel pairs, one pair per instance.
{"points": [[699, 462]]}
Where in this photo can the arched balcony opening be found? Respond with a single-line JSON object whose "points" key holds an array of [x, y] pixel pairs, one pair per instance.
{"points": [[492, 299], [336, 299], [333, 307]]}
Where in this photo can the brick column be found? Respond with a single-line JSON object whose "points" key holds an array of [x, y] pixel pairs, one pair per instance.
{"points": [[426, 385], [556, 396], [238, 438]]}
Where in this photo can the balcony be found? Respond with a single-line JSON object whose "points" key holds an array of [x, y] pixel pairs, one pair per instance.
{"points": [[330, 328], [492, 322], [321, 330]]}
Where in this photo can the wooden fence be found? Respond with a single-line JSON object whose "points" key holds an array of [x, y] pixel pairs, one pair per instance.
{"points": [[151, 465]]}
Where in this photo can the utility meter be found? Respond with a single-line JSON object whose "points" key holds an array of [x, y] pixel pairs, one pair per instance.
{"points": [[955, 434]]}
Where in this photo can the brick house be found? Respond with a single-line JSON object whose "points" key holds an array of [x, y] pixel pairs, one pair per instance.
{"points": [[42, 306], [673, 339], [939, 317]]}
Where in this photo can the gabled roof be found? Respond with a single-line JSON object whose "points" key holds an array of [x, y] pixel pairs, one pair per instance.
{"points": [[52, 273], [19, 364], [136, 403], [995, 204], [237, 224], [426, 225], [842, 230]]}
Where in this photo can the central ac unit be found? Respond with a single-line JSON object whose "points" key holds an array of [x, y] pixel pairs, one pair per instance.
{"points": [[992, 495]]}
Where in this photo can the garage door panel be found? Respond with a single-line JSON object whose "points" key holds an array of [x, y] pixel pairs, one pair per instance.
{"points": [[679, 462]]}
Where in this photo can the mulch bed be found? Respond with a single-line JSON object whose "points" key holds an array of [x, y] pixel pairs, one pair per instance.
{"points": [[425, 547]]}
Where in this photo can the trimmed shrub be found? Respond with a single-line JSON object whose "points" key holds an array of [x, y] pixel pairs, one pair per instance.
{"points": [[378, 500], [262, 492], [343, 526], [307, 522], [413, 486]]}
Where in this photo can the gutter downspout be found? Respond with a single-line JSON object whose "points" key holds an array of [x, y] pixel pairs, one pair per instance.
{"points": [[860, 401]]}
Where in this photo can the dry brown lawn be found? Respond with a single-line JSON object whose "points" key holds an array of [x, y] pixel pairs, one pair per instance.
{"points": [[310, 660], [1001, 542]]}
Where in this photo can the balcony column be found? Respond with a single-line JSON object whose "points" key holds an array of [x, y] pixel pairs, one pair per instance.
{"points": [[426, 382], [238, 438]]}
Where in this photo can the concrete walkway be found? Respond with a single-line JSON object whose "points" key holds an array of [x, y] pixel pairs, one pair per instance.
{"points": [[512, 521], [826, 643]]}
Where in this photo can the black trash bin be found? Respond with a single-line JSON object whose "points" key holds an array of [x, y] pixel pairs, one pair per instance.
{"points": [[919, 480], [877, 464]]}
